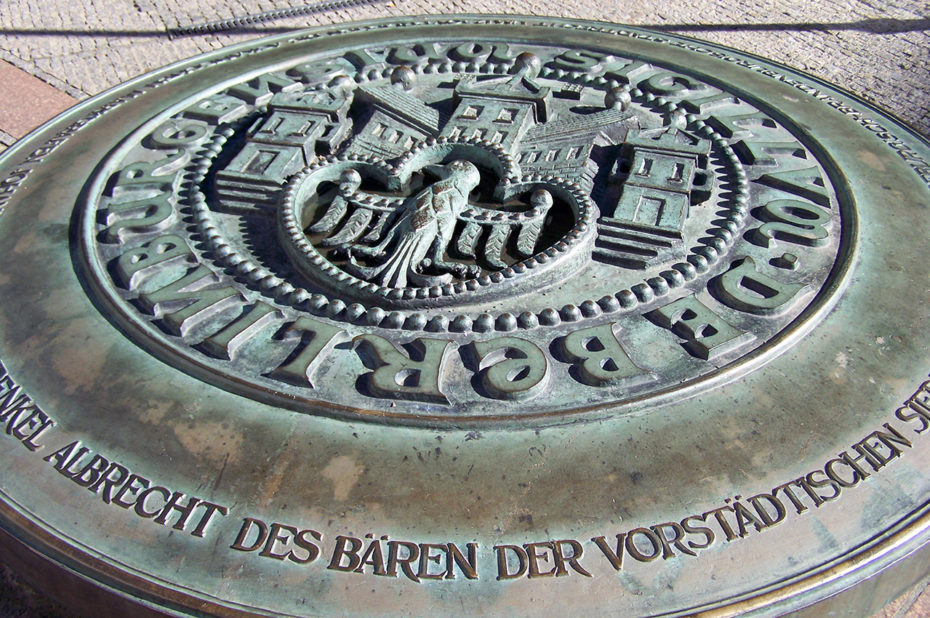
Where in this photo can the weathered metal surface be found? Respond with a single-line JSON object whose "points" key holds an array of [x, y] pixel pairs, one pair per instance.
{"points": [[503, 314]]}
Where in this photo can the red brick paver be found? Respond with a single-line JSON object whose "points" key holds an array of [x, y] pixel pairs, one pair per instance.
{"points": [[26, 101]]}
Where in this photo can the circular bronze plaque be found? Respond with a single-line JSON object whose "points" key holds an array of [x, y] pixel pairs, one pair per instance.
{"points": [[494, 315]]}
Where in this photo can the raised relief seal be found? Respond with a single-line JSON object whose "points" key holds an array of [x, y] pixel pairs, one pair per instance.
{"points": [[456, 212]]}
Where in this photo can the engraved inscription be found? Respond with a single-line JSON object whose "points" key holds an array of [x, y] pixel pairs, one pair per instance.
{"points": [[20, 417], [421, 562], [113, 482]]}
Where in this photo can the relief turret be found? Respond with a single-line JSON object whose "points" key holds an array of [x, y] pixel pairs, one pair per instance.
{"points": [[500, 109], [663, 173], [565, 147], [392, 119], [297, 127]]}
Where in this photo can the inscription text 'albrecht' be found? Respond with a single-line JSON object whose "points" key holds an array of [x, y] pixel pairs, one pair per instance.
{"points": [[420, 562]]}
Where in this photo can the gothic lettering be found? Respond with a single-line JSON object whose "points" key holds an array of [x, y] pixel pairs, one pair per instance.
{"points": [[706, 334], [597, 356], [512, 368], [395, 374], [745, 288]]}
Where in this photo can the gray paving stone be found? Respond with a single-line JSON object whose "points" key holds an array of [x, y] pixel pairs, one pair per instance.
{"points": [[6, 140], [880, 51]]}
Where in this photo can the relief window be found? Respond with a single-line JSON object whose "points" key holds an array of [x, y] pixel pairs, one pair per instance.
{"points": [[305, 129], [260, 162], [271, 126], [506, 115], [472, 112]]}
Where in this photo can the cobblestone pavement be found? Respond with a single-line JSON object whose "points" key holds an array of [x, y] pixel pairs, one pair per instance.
{"points": [[879, 50]]}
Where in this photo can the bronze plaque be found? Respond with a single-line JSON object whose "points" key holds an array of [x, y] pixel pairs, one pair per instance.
{"points": [[482, 314]]}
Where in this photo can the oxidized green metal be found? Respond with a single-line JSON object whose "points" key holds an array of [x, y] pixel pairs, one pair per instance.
{"points": [[486, 313]]}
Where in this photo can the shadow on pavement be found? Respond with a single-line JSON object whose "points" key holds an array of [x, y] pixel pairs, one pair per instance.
{"points": [[875, 26]]}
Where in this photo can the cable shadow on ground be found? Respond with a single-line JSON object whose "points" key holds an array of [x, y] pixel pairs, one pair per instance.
{"points": [[874, 26]]}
